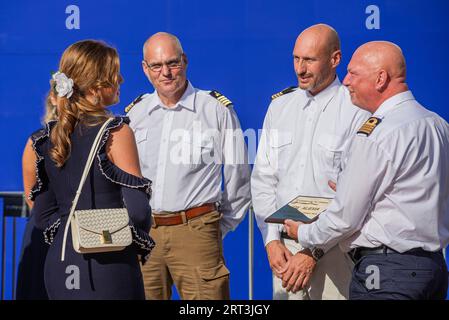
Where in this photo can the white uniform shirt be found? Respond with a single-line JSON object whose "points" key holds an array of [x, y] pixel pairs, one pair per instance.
{"points": [[395, 188], [183, 150], [302, 147]]}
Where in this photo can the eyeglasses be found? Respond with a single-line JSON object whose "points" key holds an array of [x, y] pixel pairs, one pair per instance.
{"points": [[171, 64]]}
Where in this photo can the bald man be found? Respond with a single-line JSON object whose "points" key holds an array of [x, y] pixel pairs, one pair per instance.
{"points": [[391, 210], [186, 137], [305, 135]]}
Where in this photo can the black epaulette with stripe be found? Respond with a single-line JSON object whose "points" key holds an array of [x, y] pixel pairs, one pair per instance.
{"points": [[369, 126], [136, 100], [221, 98], [285, 91]]}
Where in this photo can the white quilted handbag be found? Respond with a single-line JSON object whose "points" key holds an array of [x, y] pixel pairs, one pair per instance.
{"points": [[97, 230]]}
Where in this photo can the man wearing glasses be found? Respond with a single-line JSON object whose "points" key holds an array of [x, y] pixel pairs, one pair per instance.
{"points": [[186, 137]]}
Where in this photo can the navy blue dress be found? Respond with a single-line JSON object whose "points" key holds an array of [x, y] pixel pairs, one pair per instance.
{"points": [[107, 275], [30, 274]]}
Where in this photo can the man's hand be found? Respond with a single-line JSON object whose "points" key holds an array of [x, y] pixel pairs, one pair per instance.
{"points": [[297, 272], [278, 255], [292, 228]]}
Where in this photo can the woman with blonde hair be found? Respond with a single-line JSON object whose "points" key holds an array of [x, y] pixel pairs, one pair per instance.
{"points": [[87, 82]]}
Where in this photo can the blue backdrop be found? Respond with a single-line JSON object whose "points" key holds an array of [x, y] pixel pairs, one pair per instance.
{"points": [[241, 48]]}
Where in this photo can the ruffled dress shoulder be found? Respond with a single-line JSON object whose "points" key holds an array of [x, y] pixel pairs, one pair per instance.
{"points": [[38, 139], [111, 171], [40, 143]]}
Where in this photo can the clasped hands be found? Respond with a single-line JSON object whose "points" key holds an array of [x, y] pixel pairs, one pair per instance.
{"points": [[295, 271]]}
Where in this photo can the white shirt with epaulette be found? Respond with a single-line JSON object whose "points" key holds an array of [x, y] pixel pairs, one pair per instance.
{"points": [[182, 149], [395, 188], [302, 147]]}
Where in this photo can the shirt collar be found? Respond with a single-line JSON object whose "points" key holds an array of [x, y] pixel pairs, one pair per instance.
{"points": [[391, 102], [323, 98], [187, 100]]}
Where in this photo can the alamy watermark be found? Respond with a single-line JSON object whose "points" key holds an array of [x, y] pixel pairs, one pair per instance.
{"points": [[222, 147], [72, 282], [373, 20], [372, 282], [73, 19]]}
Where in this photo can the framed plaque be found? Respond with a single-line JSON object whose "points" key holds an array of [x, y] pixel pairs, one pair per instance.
{"points": [[302, 208]]}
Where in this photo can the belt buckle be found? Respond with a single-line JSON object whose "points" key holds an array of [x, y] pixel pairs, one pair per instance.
{"points": [[183, 217], [153, 221]]}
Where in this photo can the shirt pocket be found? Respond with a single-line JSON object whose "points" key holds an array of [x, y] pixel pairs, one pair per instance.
{"points": [[140, 135], [201, 152], [330, 152], [141, 140], [280, 150]]}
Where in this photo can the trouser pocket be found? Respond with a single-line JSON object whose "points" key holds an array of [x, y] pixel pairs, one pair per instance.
{"points": [[214, 282]]}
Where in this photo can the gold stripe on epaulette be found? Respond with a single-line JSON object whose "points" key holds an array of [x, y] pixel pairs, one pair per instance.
{"points": [[132, 104], [285, 91], [224, 100], [369, 126], [221, 98]]}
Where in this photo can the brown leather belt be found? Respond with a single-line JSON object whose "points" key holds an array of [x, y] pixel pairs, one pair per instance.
{"points": [[181, 217]]}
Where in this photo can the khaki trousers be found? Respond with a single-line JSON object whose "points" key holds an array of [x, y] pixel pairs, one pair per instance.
{"points": [[330, 279], [190, 256]]}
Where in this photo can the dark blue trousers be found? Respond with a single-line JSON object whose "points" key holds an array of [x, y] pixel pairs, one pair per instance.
{"points": [[393, 276]]}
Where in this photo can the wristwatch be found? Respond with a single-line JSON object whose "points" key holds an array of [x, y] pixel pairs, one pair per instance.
{"points": [[317, 253]]}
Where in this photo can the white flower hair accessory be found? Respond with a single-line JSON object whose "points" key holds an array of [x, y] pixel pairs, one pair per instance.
{"points": [[64, 84]]}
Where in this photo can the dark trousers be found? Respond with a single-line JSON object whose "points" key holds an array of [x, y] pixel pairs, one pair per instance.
{"points": [[418, 275]]}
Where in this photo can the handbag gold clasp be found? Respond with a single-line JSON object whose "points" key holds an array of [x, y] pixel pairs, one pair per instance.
{"points": [[106, 237]]}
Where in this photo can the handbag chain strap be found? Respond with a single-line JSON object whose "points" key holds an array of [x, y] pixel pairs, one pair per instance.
{"points": [[89, 162]]}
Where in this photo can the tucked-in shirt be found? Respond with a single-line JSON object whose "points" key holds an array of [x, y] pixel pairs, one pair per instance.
{"points": [[394, 190], [302, 147], [184, 149]]}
